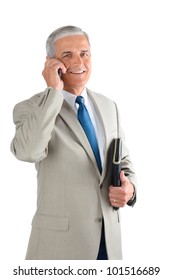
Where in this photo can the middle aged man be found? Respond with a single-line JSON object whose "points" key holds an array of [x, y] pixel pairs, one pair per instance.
{"points": [[68, 131]]}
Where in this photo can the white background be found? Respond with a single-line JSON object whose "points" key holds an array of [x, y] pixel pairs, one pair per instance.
{"points": [[132, 64]]}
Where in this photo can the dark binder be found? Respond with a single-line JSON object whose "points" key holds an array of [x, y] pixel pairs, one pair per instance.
{"points": [[116, 163]]}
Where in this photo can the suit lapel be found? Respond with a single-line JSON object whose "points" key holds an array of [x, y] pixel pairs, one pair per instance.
{"points": [[106, 113], [99, 105], [69, 116]]}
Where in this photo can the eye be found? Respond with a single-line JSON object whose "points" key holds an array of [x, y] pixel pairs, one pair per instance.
{"points": [[66, 55], [84, 54]]}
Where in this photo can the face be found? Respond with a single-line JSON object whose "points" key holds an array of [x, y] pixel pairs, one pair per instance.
{"points": [[74, 52]]}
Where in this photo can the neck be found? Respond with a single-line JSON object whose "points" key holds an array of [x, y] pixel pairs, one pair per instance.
{"points": [[75, 91]]}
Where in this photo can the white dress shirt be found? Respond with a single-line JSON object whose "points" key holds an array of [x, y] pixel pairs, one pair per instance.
{"points": [[96, 121]]}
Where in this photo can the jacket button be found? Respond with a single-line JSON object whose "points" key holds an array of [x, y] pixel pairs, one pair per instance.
{"points": [[98, 220]]}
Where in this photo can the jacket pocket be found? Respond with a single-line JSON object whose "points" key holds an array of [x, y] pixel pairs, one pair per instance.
{"points": [[50, 222]]}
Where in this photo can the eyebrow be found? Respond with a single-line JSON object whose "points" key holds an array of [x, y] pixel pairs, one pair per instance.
{"points": [[68, 52]]}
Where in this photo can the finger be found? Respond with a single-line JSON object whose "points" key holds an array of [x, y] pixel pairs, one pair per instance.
{"points": [[114, 201], [52, 63], [118, 195], [55, 63], [117, 203], [116, 191]]}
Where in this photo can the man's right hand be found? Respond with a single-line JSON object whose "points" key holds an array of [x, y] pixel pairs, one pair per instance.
{"points": [[50, 73]]}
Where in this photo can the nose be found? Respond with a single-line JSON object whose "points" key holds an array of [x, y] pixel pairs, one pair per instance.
{"points": [[77, 60]]}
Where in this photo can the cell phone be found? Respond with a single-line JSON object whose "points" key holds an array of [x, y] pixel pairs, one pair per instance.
{"points": [[60, 72]]}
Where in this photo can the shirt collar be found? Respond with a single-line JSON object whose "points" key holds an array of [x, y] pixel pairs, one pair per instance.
{"points": [[70, 98]]}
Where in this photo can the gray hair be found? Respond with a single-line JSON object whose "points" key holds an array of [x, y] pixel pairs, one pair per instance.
{"points": [[61, 32]]}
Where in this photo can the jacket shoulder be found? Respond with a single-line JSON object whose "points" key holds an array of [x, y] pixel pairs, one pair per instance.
{"points": [[30, 101], [100, 96]]}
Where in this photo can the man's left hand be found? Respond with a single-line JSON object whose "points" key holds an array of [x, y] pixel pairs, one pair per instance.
{"points": [[119, 196]]}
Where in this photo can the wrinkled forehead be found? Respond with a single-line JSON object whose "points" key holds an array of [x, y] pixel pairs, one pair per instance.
{"points": [[72, 43]]}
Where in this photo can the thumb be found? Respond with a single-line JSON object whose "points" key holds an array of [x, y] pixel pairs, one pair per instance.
{"points": [[122, 176], [124, 179]]}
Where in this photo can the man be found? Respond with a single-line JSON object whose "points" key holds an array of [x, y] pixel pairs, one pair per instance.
{"points": [[75, 216]]}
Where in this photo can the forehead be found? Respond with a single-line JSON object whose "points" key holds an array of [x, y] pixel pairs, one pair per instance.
{"points": [[72, 43]]}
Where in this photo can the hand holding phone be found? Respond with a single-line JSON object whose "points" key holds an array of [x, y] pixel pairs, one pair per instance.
{"points": [[52, 73]]}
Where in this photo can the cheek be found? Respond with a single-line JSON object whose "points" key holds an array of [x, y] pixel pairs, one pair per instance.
{"points": [[88, 74], [88, 65]]}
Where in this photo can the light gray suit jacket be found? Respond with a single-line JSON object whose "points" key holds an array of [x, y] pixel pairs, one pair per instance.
{"points": [[72, 195]]}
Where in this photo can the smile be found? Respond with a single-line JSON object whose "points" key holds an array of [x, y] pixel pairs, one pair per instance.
{"points": [[77, 72]]}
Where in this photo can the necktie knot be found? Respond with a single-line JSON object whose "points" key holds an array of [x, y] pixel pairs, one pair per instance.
{"points": [[79, 100]]}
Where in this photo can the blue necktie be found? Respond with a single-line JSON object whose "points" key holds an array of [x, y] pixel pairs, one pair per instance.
{"points": [[85, 121]]}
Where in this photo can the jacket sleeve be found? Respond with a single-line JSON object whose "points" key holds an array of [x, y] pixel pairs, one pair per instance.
{"points": [[34, 119]]}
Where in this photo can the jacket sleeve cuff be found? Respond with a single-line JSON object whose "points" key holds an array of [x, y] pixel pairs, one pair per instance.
{"points": [[132, 201]]}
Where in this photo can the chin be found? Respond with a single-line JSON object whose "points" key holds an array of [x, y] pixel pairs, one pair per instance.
{"points": [[79, 81]]}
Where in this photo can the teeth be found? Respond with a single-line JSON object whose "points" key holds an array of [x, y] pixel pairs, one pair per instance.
{"points": [[77, 72]]}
